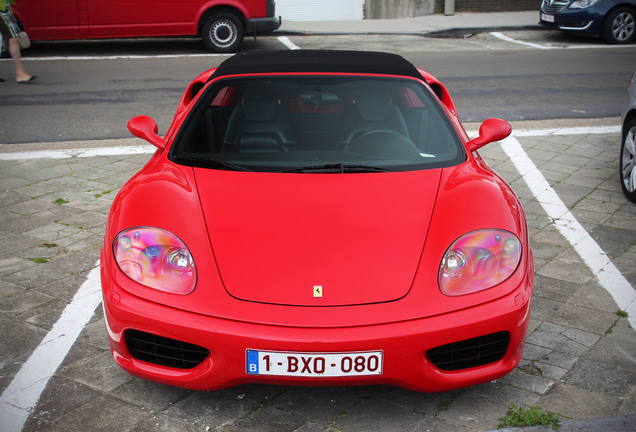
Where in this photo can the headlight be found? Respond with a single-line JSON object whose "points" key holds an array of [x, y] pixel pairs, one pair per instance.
{"points": [[155, 258], [583, 4], [479, 260]]}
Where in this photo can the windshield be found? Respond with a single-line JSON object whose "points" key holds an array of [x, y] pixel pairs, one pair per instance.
{"points": [[316, 124]]}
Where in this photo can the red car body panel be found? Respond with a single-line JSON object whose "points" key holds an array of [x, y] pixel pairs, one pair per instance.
{"points": [[356, 259], [372, 241], [87, 19]]}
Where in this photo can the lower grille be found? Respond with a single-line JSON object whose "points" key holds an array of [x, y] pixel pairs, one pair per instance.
{"points": [[470, 353], [163, 351]]}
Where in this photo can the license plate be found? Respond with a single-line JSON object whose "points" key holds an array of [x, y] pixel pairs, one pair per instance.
{"points": [[547, 18], [304, 364]]}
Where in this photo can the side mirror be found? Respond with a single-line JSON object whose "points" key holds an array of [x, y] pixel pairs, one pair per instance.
{"points": [[146, 128], [491, 130]]}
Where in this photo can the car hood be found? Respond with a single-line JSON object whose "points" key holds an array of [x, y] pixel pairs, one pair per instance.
{"points": [[317, 239]]}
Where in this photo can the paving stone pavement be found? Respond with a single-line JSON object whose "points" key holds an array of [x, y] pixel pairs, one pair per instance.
{"points": [[579, 361]]}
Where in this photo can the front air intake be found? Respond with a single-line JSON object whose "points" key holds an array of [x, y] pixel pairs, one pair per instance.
{"points": [[470, 353], [163, 351]]}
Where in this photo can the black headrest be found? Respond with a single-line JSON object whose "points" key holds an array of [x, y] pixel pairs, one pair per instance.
{"points": [[259, 105], [374, 105]]}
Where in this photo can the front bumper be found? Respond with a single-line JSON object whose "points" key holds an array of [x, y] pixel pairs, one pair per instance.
{"points": [[573, 21], [404, 344], [262, 25]]}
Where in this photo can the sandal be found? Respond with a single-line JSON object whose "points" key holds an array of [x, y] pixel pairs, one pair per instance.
{"points": [[26, 80]]}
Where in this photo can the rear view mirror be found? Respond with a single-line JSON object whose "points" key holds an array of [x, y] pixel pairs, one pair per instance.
{"points": [[146, 128], [318, 98], [491, 130]]}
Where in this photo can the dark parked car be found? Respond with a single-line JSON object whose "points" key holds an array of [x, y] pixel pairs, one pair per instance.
{"points": [[627, 159], [612, 20]]}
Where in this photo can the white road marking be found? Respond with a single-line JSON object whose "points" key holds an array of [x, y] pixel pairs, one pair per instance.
{"points": [[585, 246], [19, 399], [79, 153], [583, 130], [283, 39], [288, 43], [119, 57], [149, 149], [503, 37]]}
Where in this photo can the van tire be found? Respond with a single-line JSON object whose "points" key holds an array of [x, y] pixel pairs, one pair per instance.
{"points": [[222, 32]]}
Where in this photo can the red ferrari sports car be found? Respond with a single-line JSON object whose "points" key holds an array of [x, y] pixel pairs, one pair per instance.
{"points": [[317, 218]]}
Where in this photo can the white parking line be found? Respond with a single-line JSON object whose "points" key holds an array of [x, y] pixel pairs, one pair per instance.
{"points": [[79, 153], [283, 39], [118, 57], [148, 149], [503, 37], [590, 252], [582, 130], [288, 43], [19, 399]]}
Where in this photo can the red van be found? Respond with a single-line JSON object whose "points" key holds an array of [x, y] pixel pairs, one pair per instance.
{"points": [[220, 23]]}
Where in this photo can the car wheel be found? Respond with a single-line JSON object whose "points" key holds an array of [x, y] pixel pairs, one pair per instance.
{"points": [[222, 32], [627, 161], [619, 27]]}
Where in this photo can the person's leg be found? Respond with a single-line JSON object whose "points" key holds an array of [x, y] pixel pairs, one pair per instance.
{"points": [[14, 50]]}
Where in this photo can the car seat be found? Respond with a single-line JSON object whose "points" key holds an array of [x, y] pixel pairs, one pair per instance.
{"points": [[372, 110], [259, 124]]}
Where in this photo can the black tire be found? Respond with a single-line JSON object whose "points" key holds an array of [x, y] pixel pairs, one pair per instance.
{"points": [[620, 26], [222, 32], [627, 160]]}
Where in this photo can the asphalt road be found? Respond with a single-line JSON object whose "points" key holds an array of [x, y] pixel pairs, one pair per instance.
{"points": [[89, 90]]}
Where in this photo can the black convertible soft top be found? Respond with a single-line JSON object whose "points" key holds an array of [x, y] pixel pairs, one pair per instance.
{"points": [[317, 61]]}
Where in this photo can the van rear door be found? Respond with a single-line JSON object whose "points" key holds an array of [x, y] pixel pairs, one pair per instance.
{"points": [[47, 20]]}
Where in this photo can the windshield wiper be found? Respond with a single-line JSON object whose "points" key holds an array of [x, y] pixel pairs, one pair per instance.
{"points": [[206, 162], [337, 168]]}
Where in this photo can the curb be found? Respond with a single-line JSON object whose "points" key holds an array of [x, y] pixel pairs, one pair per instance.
{"points": [[461, 32], [450, 33]]}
